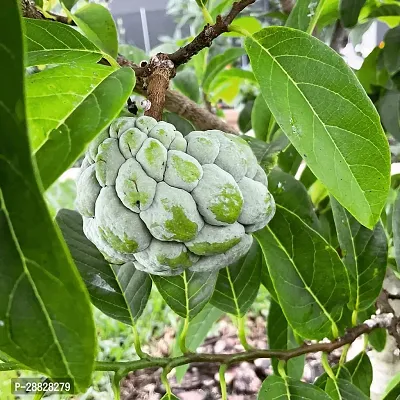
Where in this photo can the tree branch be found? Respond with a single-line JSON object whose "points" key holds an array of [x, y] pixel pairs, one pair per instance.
{"points": [[124, 367], [208, 34], [178, 103], [383, 306]]}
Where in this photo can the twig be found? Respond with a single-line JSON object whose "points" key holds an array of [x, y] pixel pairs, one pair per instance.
{"points": [[124, 367], [383, 306], [208, 34]]}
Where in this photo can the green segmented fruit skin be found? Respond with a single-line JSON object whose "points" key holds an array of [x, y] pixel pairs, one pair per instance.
{"points": [[169, 203]]}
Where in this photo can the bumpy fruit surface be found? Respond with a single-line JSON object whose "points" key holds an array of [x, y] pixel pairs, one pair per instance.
{"points": [[167, 202]]}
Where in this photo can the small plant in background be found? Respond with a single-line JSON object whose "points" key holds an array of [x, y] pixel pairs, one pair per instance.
{"points": [[180, 217]]}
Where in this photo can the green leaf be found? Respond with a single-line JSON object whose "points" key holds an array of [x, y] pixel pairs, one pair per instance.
{"points": [[69, 3], [341, 373], [250, 24], [132, 53], [290, 193], [198, 329], [187, 293], [244, 120], [221, 7], [260, 118], [231, 73], [275, 387], [169, 397], [68, 124], [186, 82], [342, 389], [309, 278], [119, 291], [300, 16], [329, 14], [364, 255], [237, 285], [39, 281], [367, 74], [389, 109], [280, 336], [267, 153], [181, 124], [98, 25], [50, 42], [326, 115], [55, 93], [217, 64], [396, 229], [377, 339], [391, 50], [385, 10], [267, 282], [392, 391], [349, 11], [202, 3], [199, 63], [39, 3], [360, 369]]}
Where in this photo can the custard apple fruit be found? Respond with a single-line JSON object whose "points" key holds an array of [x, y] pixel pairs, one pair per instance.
{"points": [[167, 202]]}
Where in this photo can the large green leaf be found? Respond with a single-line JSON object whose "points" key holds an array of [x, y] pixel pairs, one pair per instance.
{"points": [[360, 369], [54, 94], [244, 119], [391, 50], [50, 42], [392, 391], [385, 10], [364, 255], [260, 118], [300, 16], [218, 63], [132, 53], [267, 282], [198, 329], [120, 291], [237, 285], [267, 153], [367, 74], [70, 122], [186, 82], [181, 124], [97, 23], [396, 229], [280, 336], [292, 194], [377, 339], [69, 3], [341, 373], [248, 23], [310, 280], [187, 293], [275, 387], [349, 11], [389, 109], [38, 279], [342, 389], [322, 108]]}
